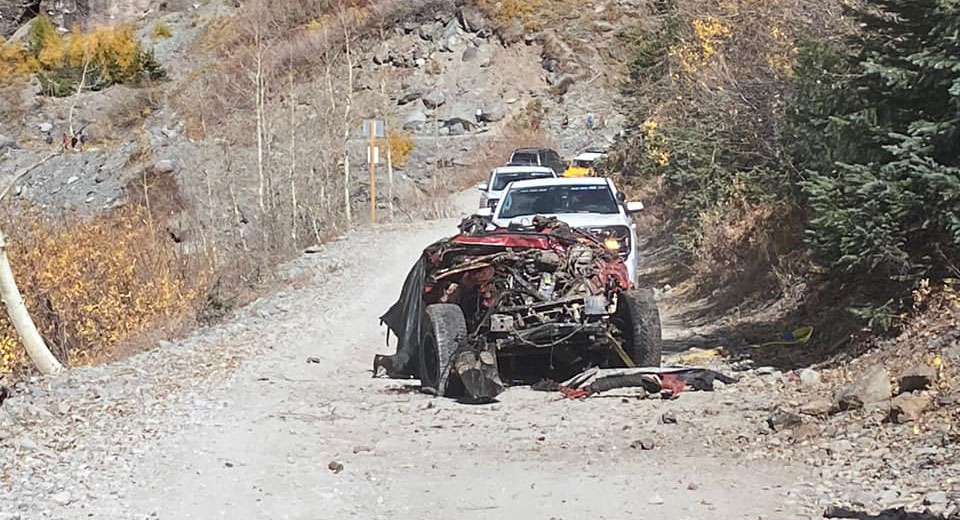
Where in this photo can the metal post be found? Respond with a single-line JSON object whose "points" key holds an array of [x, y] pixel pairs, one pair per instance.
{"points": [[373, 172]]}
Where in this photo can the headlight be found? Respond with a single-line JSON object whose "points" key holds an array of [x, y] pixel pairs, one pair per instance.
{"points": [[614, 238]]}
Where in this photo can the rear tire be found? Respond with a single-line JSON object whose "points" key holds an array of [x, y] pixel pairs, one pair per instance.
{"points": [[444, 328], [637, 311]]}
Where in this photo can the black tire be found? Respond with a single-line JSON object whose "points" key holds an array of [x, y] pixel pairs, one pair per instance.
{"points": [[640, 318], [444, 328]]}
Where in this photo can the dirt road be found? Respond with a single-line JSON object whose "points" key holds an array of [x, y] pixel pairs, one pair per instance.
{"points": [[236, 423]]}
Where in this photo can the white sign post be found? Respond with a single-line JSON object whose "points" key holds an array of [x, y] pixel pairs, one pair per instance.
{"points": [[373, 128]]}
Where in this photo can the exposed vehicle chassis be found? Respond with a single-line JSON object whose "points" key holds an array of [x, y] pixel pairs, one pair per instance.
{"points": [[517, 305]]}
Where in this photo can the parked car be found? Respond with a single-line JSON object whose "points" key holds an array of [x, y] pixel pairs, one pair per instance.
{"points": [[501, 177], [538, 157], [590, 203], [494, 306], [582, 164]]}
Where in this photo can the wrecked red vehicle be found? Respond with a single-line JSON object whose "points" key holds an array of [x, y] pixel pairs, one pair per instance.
{"points": [[517, 305]]}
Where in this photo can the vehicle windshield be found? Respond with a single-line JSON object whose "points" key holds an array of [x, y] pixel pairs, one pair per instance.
{"points": [[500, 180], [524, 158], [550, 200], [583, 164]]}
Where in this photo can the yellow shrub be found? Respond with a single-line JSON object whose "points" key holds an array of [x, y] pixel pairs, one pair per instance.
{"points": [[113, 49], [15, 61], [108, 54], [162, 30], [504, 11], [401, 144], [655, 146], [93, 283], [708, 37]]}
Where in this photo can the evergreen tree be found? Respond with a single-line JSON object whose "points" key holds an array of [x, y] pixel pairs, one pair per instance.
{"points": [[890, 208]]}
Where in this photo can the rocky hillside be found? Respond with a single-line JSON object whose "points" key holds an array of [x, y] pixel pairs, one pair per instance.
{"points": [[235, 123]]}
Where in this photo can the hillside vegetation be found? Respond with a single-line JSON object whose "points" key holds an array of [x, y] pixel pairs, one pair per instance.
{"points": [[801, 142]]}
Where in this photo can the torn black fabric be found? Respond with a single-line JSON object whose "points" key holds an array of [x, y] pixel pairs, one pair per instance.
{"points": [[404, 319]]}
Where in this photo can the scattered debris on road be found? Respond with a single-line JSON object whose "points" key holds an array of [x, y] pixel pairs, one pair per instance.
{"points": [[666, 382]]}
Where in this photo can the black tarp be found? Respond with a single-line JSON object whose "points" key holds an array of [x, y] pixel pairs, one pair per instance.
{"points": [[403, 319]]}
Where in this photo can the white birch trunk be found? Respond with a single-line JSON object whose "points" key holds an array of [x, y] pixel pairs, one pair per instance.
{"points": [[33, 343]]}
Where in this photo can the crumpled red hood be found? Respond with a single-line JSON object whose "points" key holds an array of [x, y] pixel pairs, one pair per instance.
{"points": [[506, 239], [613, 269]]}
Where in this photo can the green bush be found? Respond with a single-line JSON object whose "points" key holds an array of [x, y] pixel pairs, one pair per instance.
{"points": [[881, 143]]}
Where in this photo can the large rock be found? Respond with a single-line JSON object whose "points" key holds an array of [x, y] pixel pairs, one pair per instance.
{"points": [[781, 419], [909, 407], [493, 112], [470, 54], [452, 43], [816, 407], [165, 166], [382, 54], [451, 29], [920, 377], [410, 95], [457, 128], [434, 99], [7, 142], [472, 19], [809, 377], [872, 387], [415, 121], [431, 33], [462, 113], [511, 33]]}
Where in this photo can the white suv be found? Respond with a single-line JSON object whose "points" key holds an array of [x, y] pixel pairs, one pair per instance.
{"points": [[501, 177], [589, 203]]}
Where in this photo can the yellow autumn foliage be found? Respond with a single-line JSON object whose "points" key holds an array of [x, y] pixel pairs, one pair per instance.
{"points": [[505, 11], [93, 283], [108, 54], [401, 144], [15, 61], [709, 35]]}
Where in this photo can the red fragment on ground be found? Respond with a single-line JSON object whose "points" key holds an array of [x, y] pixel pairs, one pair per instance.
{"points": [[672, 383], [574, 393]]}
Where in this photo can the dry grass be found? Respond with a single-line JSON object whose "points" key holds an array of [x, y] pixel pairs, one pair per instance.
{"points": [[93, 283], [161, 30]]}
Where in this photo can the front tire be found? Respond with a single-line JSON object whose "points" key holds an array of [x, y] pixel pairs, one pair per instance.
{"points": [[444, 328], [637, 311]]}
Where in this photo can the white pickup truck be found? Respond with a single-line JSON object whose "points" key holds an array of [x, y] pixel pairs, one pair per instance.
{"points": [[492, 190], [590, 203]]}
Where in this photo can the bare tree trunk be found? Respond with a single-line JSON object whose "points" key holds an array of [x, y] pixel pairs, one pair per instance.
{"points": [[76, 95], [389, 177], [259, 110], [346, 118], [293, 160], [386, 133], [33, 343]]}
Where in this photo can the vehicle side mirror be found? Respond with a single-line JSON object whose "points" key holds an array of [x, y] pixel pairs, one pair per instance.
{"points": [[634, 207], [621, 197], [484, 212], [482, 186]]}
